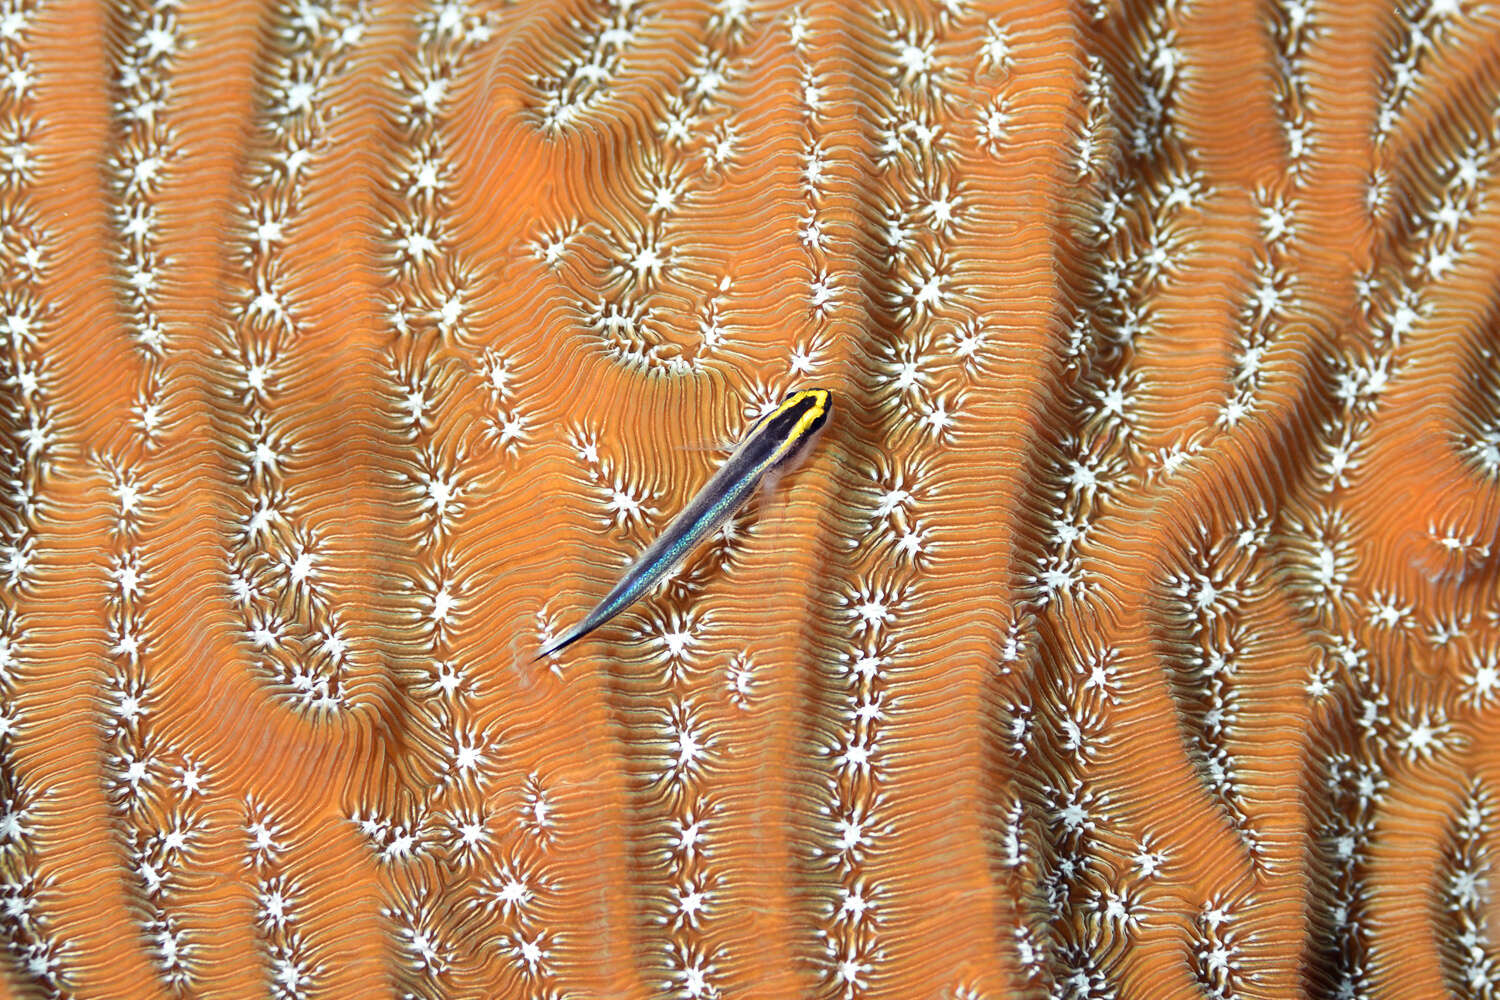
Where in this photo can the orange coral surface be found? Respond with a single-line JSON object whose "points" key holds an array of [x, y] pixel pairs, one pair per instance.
{"points": [[1132, 631]]}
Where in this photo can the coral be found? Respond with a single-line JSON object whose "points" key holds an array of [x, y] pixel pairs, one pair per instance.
{"points": [[1133, 630]]}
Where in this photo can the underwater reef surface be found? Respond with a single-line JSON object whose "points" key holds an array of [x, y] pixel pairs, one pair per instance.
{"points": [[1132, 630]]}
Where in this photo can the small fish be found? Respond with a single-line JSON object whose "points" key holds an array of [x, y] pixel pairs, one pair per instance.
{"points": [[771, 442]]}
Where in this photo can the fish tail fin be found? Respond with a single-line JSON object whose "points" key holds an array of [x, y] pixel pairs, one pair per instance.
{"points": [[560, 643]]}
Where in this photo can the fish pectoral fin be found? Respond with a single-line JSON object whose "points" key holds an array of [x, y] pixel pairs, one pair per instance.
{"points": [[770, 502], [720, 448]]}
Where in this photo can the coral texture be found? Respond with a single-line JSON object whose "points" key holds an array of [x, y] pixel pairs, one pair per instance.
{"points": [[1132, 631]]}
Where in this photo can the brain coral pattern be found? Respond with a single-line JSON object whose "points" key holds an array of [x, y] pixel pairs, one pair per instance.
{"points": [[1133, 630]]}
